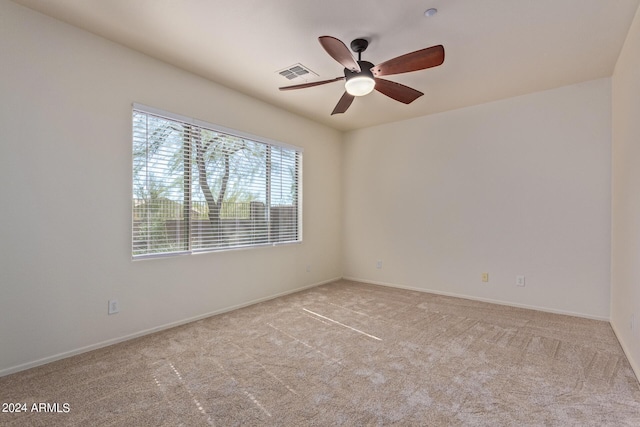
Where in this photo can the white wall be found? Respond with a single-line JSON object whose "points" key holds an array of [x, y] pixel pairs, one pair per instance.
{"points": [[65, 220], [515, 187], [625, 279]]}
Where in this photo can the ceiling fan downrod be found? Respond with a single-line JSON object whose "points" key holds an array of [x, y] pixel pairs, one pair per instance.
{"points": [[359, 46]]}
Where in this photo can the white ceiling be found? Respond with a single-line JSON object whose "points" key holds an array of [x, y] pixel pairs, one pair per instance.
{"points": [[494, 49]]}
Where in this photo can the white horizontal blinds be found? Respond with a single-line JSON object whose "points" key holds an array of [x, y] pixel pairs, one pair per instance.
{"points": [[230, 184], [210, 189], [161, 151], [284, 173]]}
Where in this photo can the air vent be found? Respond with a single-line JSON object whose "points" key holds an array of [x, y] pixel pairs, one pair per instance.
{"points": [[297, 71]]}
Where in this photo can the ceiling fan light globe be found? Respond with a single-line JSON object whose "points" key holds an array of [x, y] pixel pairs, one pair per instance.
{"points": [[360, 85]]}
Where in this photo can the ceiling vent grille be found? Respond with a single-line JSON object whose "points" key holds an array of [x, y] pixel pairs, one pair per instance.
{"points": [[297, 71]]}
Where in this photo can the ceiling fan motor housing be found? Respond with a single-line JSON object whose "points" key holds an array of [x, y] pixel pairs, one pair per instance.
{"points": [[365, 66], [359, 83]]}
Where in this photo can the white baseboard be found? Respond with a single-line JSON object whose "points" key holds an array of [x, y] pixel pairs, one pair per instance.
{"points": [[64, 355], [474, 298]]}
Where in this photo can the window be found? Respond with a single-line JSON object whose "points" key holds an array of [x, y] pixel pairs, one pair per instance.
{"points": [[199, 187]]}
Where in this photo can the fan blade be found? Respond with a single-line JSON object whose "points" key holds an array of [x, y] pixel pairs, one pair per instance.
{"points": [[414, 61], [338, 51], [399, 92], [343, 104], [312, 84]]}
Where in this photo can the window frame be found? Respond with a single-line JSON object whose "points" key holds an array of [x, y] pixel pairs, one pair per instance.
{"points": [[198, 125]]}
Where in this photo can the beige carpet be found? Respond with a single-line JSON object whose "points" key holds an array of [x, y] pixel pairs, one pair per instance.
{"points": [[346, 354]]}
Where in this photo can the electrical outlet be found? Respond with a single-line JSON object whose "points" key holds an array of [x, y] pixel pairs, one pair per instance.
{"points": [[379, 264], [519, 280], [114, 307], [308, 268], [485, 277]]}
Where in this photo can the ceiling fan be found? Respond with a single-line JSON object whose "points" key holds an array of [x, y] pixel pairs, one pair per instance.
{"points": [[362, 76]]}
